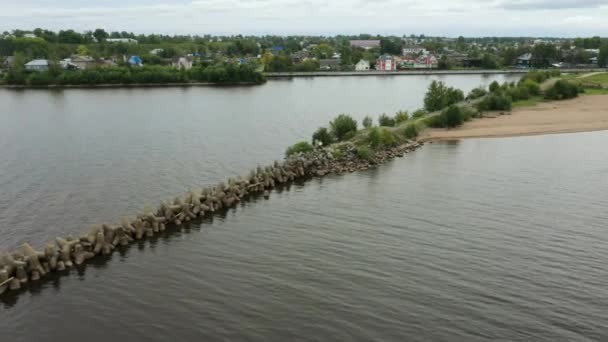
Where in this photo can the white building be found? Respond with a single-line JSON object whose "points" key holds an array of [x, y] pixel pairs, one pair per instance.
{"points": [[121, 40], [185, 63], [37, 65], [156, 51], [362, 65], [29, 35]]}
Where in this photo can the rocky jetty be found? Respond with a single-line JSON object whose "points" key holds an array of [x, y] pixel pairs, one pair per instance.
{"points": [[26, 264]]}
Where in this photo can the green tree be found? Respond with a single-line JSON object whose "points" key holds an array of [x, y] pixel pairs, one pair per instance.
{"points": [[386, 121], [322, 136], [602, 59], [367, 122], [100, 34], [343, 126], [82, 50], [323, 51]]}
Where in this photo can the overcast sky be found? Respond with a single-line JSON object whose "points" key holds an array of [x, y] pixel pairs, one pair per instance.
{"points": [[567, 18]]}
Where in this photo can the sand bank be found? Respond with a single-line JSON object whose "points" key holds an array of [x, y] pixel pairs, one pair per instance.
{"points": [[583, 114]]}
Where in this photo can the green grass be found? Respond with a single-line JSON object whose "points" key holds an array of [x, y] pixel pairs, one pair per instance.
{"points": [[595, 91], [531, 102]]}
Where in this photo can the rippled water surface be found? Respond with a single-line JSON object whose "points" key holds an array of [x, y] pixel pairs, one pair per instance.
{"points": [[474, 240]]}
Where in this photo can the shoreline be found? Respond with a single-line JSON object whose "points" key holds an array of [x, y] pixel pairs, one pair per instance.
{"points": [[126, 85], [294, 74], [587, 113]]}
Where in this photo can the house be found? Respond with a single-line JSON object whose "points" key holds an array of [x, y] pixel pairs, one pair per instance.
{"points": [[386, 62], [593, 61], [83, 62], [414, 51], [362, 65], [365, 44], [182, 62], [156, 51], [135, 61], [29, 35], [121, 40], [67, 64], [329, 64], [37, 65], [300, 56], [525, 60], [456, 58]]}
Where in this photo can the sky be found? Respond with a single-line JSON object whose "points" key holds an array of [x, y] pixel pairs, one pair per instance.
{"points": [[451, 18]]}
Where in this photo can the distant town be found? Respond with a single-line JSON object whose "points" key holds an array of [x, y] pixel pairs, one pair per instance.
{"points": [[42, 50]]}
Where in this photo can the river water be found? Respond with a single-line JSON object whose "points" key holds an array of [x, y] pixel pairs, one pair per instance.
{"points": [[474, 240]]}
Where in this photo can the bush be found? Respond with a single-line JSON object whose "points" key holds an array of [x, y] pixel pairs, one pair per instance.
{"points": [[476, 93], [386, 121], [302, 146], [495, 102], [410, 131], [453, 116], [373, 138], [343, 127], [518, 93], [562, 90], [435, 121], [401, 116], [532, 87], [367, 122], [540, 76], [363, 152], [387, 138], [322, 136], [418, 113], [494, 87]]}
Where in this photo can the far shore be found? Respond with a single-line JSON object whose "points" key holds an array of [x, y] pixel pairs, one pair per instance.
{"points": [[583, 114], [126, 85], [271, 75]]}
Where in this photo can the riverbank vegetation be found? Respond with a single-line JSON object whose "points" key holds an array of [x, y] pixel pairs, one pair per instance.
{"points": [[445, 107], [216, 74]]}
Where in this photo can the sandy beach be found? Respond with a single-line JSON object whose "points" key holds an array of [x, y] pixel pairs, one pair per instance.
{"points": [[583, 114]]}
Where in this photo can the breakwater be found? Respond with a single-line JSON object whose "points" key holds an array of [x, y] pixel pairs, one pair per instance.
{"points": [[28, 265]]}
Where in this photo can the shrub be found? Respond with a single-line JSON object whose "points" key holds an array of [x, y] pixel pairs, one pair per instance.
{"points": [[453, 116], [476, 93], [363, 152], [518, 93], [494, 87], [562, 90], [435, 121], [387, 138], [343, 127], [373, 138], [338, 154], [386, 121], [367, 122], [322, 136], [302, 146], [495, 102], [532, 87], [418, 113], [401, 116], [410, 131]]}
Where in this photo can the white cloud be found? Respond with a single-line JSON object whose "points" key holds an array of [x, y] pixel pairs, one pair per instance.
{"points": [[436, 17]]}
